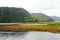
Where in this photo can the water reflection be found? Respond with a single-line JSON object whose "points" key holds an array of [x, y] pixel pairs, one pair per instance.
{"points": [[12, 35], [42, 36], [32, 35]]}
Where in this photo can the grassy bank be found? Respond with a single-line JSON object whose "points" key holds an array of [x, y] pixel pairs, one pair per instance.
{"points": [[50, 27]]}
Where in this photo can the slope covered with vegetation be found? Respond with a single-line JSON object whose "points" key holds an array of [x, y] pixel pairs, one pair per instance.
{"points": [[11, 14], [41, 17]]}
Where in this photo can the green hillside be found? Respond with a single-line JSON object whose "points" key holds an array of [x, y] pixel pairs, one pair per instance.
{"points": [[41, 17], [11, 14]]}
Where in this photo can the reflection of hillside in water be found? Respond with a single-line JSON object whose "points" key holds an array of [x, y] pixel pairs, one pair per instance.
{"points": [[29, 36], [12, 35]]}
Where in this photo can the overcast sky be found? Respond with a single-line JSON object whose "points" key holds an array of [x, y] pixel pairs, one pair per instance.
{"points": [[48, 7]]}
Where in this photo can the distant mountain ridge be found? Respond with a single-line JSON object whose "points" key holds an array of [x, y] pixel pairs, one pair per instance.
{"points": [[55, 18], [41, 17]]}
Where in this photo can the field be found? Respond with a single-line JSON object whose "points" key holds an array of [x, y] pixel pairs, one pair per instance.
{"points": [[33, 26]]}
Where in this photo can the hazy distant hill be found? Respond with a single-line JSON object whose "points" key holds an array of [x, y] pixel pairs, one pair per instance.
{"points": [[41, 17], [55, 18]]}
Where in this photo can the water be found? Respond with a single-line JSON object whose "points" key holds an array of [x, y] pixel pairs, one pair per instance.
{"points": [[42, 36], [12, 35], [30, 36]]}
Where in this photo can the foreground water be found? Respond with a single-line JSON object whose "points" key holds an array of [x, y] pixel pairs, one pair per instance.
{"points": [[30, 36]]}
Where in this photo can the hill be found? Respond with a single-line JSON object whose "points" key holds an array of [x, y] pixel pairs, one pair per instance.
{"points": [[11, 14], [55, 18], [41, 17]]}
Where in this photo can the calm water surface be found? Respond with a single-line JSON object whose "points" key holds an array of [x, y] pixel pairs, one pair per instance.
{"points": [[30, 36]]}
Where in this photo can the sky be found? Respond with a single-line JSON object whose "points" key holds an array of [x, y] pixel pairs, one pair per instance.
{"points": [[48, 7]]}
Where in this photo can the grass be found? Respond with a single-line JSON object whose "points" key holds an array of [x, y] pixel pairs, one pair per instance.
{"points": [[51, 27]]}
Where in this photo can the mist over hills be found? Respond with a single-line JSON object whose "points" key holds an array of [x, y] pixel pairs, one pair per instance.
{"points": [[12, 14], [55, 18]]}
